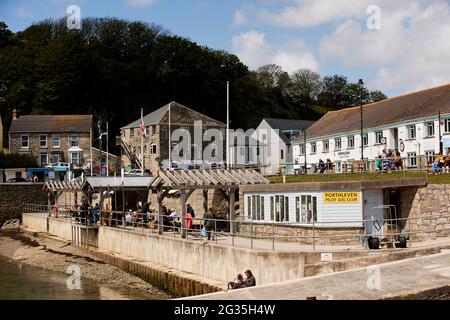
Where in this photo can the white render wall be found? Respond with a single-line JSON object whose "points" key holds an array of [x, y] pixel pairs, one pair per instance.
{"points": [[328, 215], [420, 145]]}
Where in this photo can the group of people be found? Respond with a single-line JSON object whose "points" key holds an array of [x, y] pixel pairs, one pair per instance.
{"points": [[389, 160], [239, 282], [440, 163], [322, 166]]}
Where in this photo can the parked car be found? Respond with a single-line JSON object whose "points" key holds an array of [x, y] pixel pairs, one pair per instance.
{"points": [[16, 180], [138, 172]]}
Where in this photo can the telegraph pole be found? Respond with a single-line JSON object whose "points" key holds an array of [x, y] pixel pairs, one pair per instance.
{"points": [[100, 143], [361, 84], [228, 126]]}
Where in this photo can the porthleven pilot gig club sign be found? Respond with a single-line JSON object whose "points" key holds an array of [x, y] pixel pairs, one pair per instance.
{"points": [[341, 197]]}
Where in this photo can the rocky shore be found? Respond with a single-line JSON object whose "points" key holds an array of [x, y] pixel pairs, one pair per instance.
{"points": [[57, 256]]}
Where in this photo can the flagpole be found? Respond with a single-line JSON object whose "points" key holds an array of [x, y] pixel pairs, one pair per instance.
{"points": [[107, 149], [142, 143], [170, 151], [92, 163], [228, 126]]}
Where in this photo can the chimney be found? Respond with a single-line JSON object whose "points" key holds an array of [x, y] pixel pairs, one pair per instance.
{"points": [[14, 114]]}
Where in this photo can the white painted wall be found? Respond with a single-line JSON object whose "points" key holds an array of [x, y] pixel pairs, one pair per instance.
{"points": [[419, 145], [328, 215]]}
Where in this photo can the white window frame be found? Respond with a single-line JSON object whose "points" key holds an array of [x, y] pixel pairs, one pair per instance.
{"points": [[304, 203], [412, 132], [326, 143], [71, 140], [429, 125], [153, 148], [53, 141], [301, 148], [412, 159], [313, 147], [27, 140], [78, 158], [365, 139], [255, 207], [378, 137], [351, 145], [337, 144], [446, 125], [430, 155], [42, 140]]}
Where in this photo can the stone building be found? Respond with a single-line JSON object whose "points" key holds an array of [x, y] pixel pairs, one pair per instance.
{"points": [[53, 138], [158, 125]]}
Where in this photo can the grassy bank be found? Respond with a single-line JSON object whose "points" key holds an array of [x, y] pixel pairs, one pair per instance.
{"points": [[431, 179]]}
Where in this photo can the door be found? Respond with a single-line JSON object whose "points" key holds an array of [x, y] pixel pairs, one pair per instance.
{"points": [[373, 215]]}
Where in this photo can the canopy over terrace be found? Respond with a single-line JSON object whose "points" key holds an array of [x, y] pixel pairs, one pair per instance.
{"points": [[132, 189], [55, 187], [188, 181]]}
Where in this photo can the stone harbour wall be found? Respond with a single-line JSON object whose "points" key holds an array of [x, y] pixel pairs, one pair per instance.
{"points": [[303, 234], [429, 208], [13, 197]]}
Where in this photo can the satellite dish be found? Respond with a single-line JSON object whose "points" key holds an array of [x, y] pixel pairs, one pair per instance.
{"points": [[383, 140]]}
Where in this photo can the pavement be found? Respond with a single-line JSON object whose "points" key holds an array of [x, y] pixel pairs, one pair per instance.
{"points": [[383, 281]]}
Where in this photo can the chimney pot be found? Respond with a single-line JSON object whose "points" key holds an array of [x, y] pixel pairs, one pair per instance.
{"points": [[14, 113]]}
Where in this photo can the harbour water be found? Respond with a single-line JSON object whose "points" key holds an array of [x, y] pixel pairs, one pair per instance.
{"points": [[23, 282]]}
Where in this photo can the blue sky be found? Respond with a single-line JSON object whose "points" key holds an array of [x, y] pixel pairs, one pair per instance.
{"points": [[409, 50]]}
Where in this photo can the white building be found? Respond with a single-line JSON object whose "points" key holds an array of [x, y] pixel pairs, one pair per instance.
{"points": [[275, 137], [409, 123]]}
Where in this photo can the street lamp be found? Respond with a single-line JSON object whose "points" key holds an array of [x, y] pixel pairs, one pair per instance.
{"points": [[361, 87]]}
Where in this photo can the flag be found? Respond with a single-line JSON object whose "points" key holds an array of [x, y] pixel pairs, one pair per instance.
{"points": [[143, 127]]}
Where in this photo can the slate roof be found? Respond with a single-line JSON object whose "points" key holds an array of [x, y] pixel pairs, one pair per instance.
{"points": [[286, 125], [52, 123], [180, 115], [416, 105]]}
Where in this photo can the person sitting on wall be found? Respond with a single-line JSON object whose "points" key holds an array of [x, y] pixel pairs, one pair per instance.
{"points": [[379, 163], [238, 282], [321, 166], [438, 165], [398, 164], [250, 280]]}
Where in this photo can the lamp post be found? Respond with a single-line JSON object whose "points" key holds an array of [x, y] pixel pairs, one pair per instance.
{"points": [[361, 87]]}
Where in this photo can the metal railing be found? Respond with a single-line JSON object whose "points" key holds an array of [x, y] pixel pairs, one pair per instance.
{"points": [[353, 234]]}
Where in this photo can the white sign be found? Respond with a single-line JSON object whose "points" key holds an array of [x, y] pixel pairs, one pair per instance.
{"points": [[343, 154], [326, 257], [446, 142]]}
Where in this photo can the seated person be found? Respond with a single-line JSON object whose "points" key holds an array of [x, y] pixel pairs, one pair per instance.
{"points": [[437, 165], [173, 215], [250, 280], [238, 283], [379, 163]]}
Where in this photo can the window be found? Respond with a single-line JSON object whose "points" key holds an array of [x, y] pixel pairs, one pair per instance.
{"points": [[365, 139], [350, 142], [75, 158], [281, 209], [411, 131], [153, 148], [25, 142], [313, 147], [282, 154], [326, 145], [43, 141], [74, 140], [272, 208], [264, 137], [163, 133], [412, 159], [43, 159], [378, 137], [430, 156], [56, 158], [429, 127], [153, 130], [56, 141], [447, 125], [306, 209], [255, 207], [131, 132], [337, 143], [147, 131], [302, 149]]}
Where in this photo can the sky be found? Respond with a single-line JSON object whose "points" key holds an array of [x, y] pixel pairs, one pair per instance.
{"points": [[395, 46]]}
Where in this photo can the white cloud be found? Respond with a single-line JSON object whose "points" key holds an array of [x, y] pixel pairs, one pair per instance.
{"points": [[139, 3], [254, 50], [239, 18], [411, 50]]}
